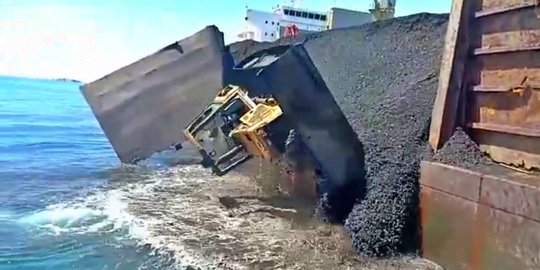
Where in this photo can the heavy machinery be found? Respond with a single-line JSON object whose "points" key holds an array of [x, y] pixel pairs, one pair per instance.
{"points": [[383, 9], [249, 110], [240, 124], [486, 217], [295, 123], [236, 127]]}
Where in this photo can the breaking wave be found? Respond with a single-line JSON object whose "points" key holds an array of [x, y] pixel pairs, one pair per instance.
{"points": [[189, 218], [127, 210], [102, 212], [178, 214]]}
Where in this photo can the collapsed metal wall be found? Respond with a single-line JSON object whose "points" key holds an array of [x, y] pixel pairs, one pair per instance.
{"points": [[144, 107]]}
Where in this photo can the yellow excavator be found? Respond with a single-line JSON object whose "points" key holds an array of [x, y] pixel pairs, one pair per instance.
{"points": [[234, 128], [277, 107]]}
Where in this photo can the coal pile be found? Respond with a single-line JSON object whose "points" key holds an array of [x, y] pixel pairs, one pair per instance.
{"points": [[384, 77], [242, 49], [460, 150]]}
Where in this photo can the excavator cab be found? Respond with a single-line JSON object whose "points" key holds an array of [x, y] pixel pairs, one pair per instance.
{"points": [[233, 129]]}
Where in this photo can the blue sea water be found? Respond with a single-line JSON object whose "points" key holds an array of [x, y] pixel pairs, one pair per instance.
{"points": [[67, 203], [64, 197]]}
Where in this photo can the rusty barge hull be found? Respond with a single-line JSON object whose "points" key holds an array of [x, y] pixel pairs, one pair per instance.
{"points": [[487, 217], [480, 219]]}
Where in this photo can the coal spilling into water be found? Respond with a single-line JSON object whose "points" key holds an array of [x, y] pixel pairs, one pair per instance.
{"points": [[384, 77]]}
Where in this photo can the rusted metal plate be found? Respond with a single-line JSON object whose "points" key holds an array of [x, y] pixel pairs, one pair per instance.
{"points": [[143, 107], [514, 109], [516, 197], [516, 27], [503, 74], [447, 228], [502, 78], [506, 69], [465, 183], [508, 241], [504, 4], [462, 234], [510, 149], [530, 132]]}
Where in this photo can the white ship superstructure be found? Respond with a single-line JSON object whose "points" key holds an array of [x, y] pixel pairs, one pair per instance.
{"points": [[264, 26], [269, 26]]}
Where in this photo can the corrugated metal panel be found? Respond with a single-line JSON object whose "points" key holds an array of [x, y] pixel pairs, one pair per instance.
{"points": [[143, 107], [499, 83]]}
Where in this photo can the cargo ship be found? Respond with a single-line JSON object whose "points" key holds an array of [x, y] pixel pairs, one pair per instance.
{"points": [[269, 26]]}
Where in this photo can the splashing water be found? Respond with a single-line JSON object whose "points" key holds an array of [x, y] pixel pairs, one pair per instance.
{"points": [[65, 203]]}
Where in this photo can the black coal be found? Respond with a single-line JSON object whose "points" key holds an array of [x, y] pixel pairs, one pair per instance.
{"points": [[461, 150]]}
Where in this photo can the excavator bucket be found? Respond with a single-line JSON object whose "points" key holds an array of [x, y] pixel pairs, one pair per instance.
{"points": [[143, 107]]}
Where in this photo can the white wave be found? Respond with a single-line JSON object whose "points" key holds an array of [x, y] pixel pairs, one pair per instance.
{"points": [[104, 211], [5, 215], [131, 211], [58, 215]]}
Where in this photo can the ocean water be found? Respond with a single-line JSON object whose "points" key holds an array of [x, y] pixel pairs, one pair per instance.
{"points": [[67, 203], [64, 197]]}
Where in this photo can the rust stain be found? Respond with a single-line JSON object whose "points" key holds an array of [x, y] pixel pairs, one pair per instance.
{"points": [[499, 226], [512, 197], [515, 112], [478, 242], [491, 4], [460, 234], [465, 183]]}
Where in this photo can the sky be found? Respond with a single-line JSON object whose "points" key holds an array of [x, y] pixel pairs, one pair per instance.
{"points": [[87, 39]]}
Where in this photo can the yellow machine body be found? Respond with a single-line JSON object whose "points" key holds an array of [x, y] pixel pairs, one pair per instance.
{"points": [[241, 129], [251, 131]]}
